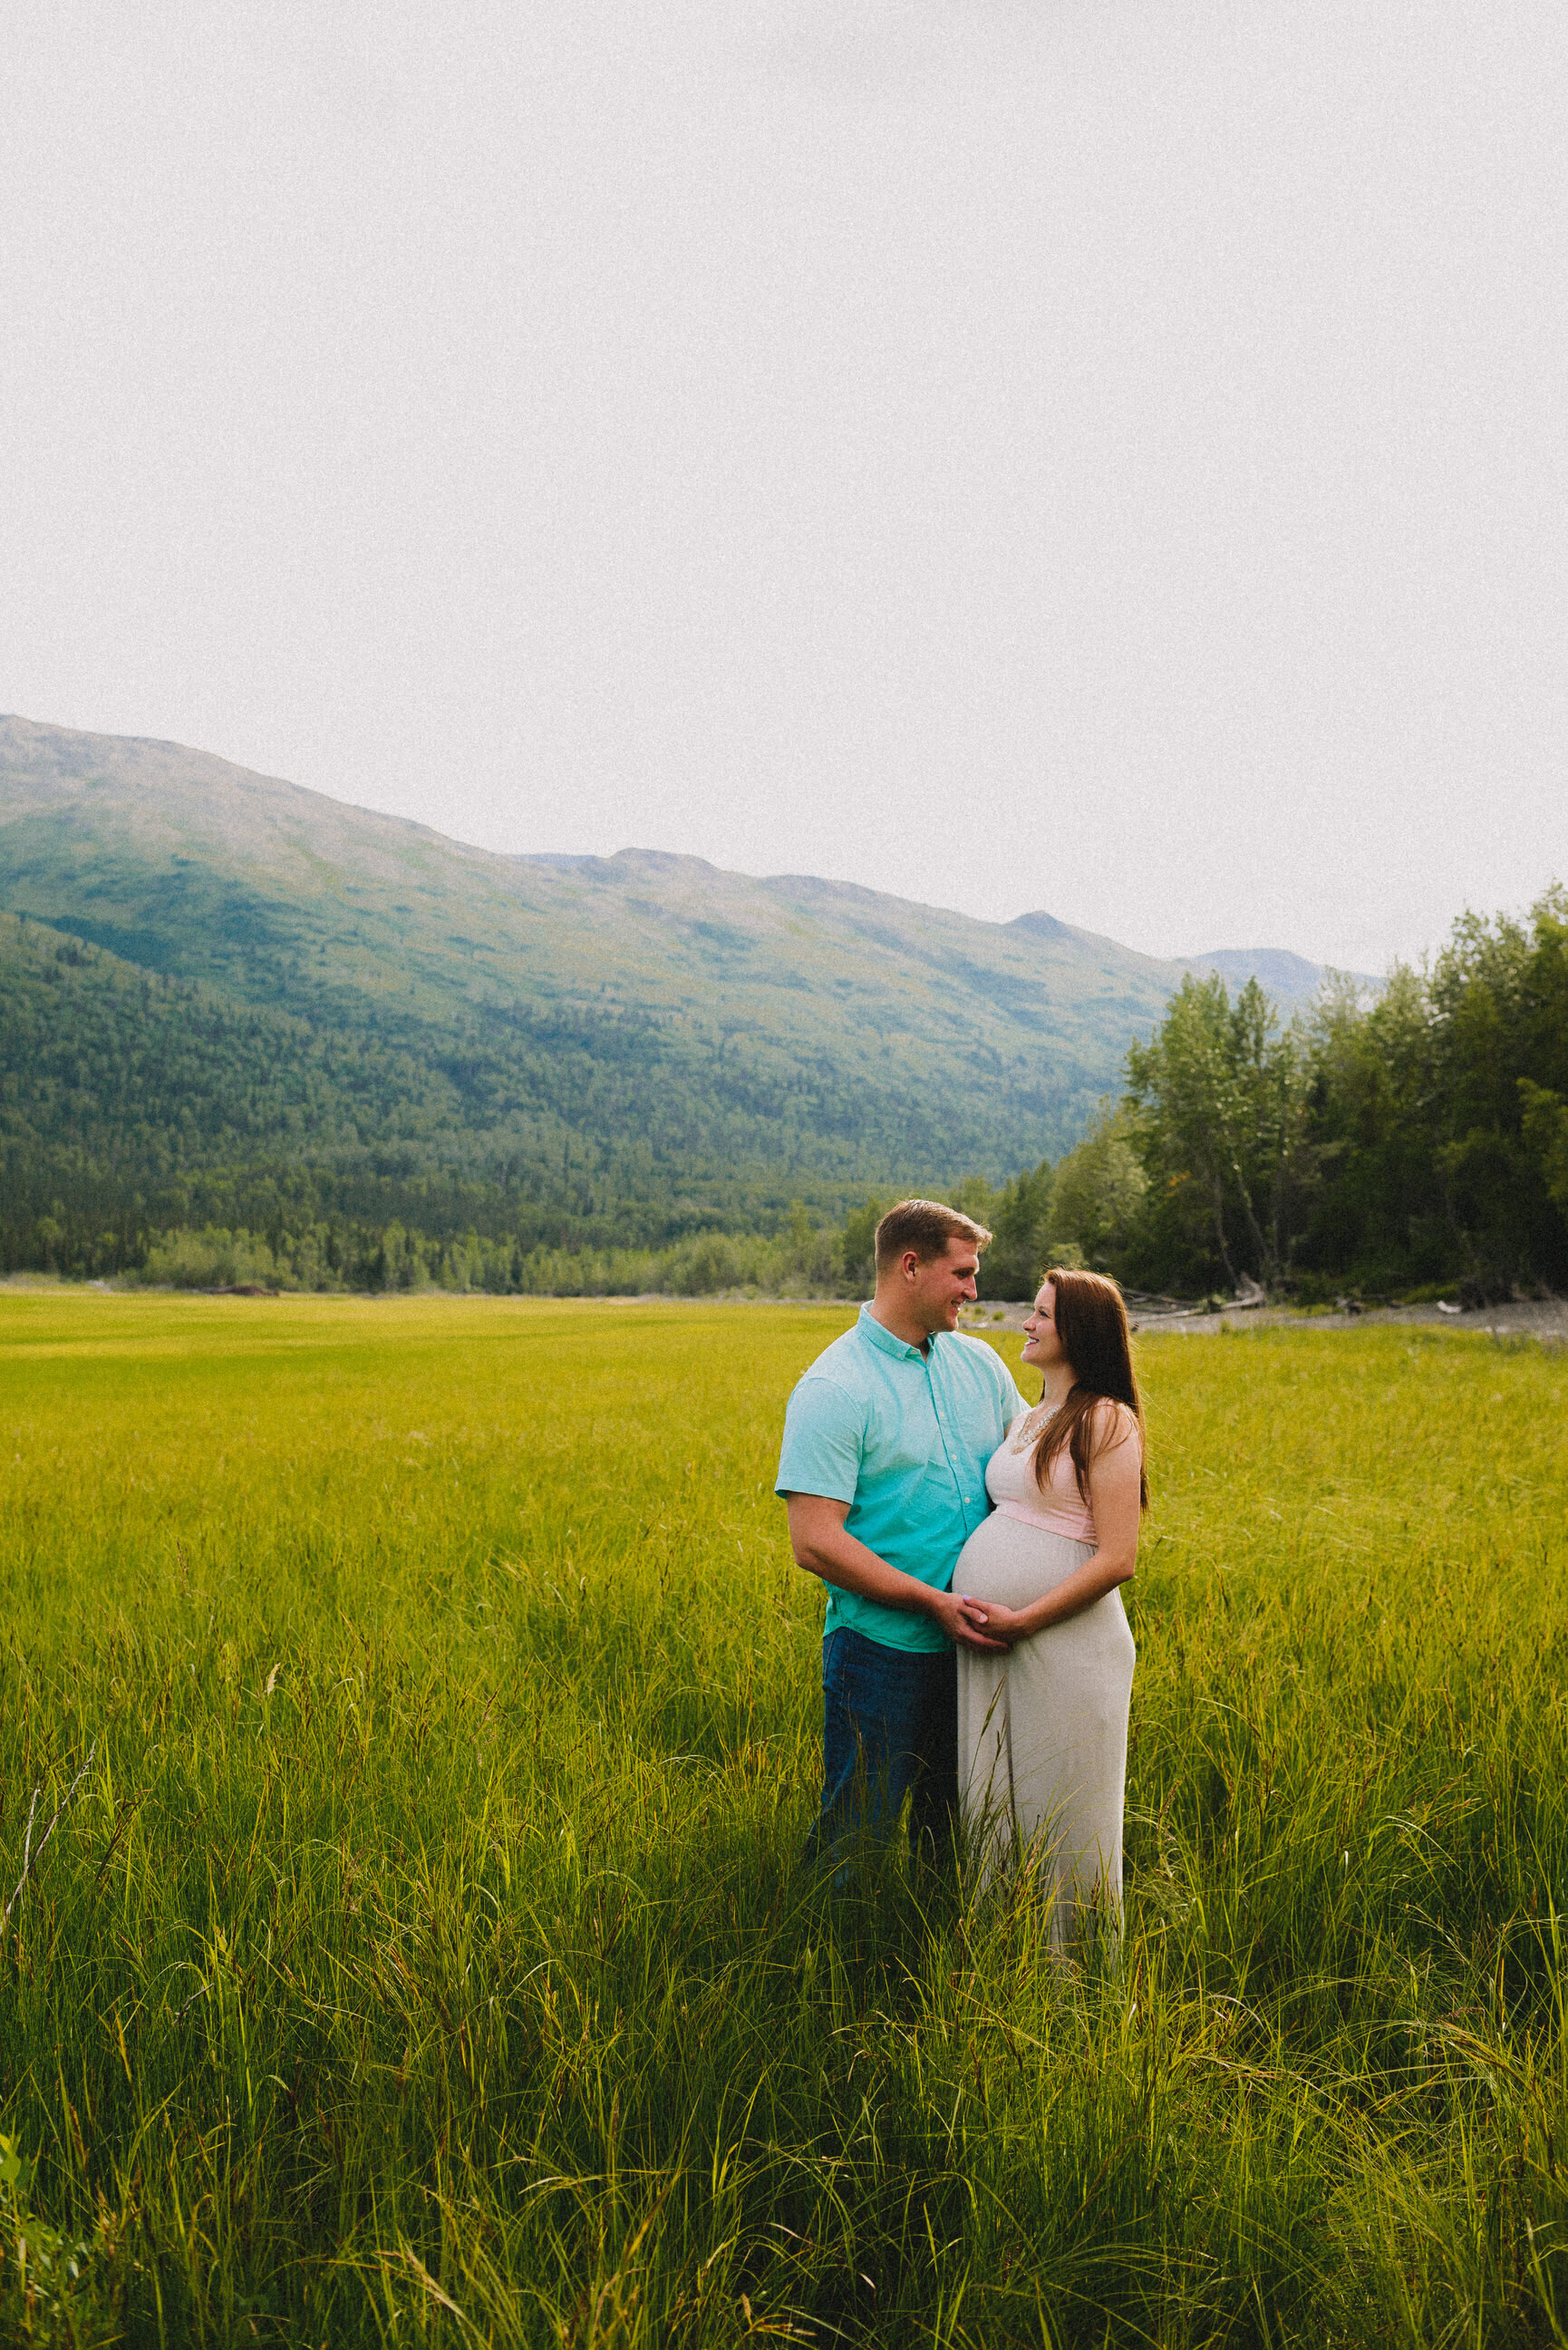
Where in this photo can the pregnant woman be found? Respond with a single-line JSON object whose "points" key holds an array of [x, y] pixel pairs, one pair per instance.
{"points": [[1043, 1730]]}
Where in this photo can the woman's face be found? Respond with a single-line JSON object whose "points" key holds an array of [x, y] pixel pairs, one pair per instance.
{"points": [[1041, 1347]]}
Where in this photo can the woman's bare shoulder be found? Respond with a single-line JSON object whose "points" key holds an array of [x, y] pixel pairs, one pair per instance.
{"points": [[1114, 1424]]}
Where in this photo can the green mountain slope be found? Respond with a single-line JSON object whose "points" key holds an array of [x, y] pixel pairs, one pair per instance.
{"points": [[132, 1101], [637, 1037]]}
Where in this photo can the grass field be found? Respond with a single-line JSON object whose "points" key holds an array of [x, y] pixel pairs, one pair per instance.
{"points": [[422, 1958]]}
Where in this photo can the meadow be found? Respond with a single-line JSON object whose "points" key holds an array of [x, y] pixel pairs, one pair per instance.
{"points": [[424, 1958]]}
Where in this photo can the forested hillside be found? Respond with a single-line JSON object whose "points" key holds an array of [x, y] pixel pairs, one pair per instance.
{"points": [[229, 1001], [131, 1102]]}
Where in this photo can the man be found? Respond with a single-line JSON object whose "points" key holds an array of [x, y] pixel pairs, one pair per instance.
{"points": [[883, 1469]]}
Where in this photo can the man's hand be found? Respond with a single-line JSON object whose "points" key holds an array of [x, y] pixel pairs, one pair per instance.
{"points": [[962, 1620]]}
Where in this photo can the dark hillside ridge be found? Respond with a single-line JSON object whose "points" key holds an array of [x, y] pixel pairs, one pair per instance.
{"points": [[641, 1037]]}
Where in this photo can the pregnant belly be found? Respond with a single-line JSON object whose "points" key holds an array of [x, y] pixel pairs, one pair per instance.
{"points": [[1013, 1563]]}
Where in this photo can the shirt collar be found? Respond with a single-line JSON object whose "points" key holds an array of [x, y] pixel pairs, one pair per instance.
{"points": [[884, 1340]]}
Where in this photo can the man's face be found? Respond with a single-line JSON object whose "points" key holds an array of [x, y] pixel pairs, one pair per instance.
{"points": [[938, 1286]]}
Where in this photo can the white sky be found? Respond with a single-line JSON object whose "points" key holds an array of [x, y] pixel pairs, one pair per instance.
{"points": [[1105, 455]]}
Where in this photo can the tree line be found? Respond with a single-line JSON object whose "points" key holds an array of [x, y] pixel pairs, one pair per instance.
{"points": [[1399, 1141]]}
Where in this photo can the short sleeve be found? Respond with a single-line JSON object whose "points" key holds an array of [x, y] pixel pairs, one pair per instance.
{"points": [[1114, 1427], [823, 1435]]}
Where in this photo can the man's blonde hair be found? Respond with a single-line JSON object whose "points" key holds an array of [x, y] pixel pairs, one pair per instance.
{"points": [[926, 1226]]}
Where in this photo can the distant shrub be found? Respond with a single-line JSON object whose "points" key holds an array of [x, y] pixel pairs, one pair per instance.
{"points": [[209, 1259], [801, 1262]]}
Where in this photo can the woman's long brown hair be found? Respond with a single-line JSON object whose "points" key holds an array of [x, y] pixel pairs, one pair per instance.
{"points": [[1092, 1324]]}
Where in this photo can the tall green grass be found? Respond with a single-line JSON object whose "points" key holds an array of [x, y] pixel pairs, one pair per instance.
{"points": [[424, 1958]]}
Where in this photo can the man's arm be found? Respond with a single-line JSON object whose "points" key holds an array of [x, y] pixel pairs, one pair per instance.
{"points": [[822, 1546]]}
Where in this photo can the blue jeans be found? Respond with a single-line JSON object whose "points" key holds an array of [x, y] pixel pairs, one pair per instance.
{"points": [[889, 1729]]}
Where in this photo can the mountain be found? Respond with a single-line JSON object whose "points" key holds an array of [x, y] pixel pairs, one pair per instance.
{"points": [[640, 1037], [1290, 979]]}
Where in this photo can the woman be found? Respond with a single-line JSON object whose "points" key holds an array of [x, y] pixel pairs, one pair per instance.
{"points": [[1043, 1730]]}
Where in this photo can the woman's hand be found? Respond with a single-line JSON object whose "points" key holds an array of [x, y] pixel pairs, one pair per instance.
{"points": [[1003, 1625], [963, 1625]]}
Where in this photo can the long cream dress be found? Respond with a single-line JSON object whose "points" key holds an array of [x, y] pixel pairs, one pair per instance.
{"points": [[1043, 1731]]}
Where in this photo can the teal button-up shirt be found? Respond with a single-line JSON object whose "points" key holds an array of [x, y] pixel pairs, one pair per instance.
{"points": [[903, 1437]]}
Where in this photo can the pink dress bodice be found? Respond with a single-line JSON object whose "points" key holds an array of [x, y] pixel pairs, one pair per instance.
{"points": [[1010, 1482]]}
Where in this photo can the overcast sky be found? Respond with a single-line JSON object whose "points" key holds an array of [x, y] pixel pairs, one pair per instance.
{"points": [[1096, 454]]}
